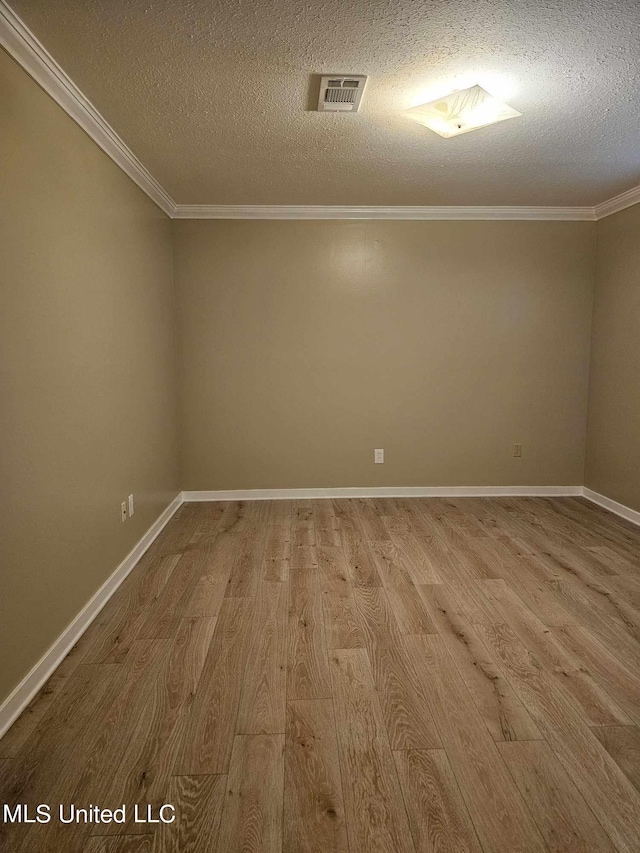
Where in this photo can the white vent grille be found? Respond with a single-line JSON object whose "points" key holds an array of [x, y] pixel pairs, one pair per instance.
{"points": [[341, 94]]}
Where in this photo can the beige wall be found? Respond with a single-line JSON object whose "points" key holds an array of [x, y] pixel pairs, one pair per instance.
{"points": [[613, 443], [87, 370], [305, 345]]}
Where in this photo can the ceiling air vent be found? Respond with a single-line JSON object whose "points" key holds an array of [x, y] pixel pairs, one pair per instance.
{"points": [[341, 93]]}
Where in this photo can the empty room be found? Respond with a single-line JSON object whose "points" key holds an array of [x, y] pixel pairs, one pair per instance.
{"points": [[320, 418]]}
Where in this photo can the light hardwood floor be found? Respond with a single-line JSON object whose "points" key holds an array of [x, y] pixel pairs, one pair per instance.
{"points": [[352, 675]]}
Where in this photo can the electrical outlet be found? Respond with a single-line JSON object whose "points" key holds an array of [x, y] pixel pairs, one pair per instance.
{"points": [[517, 451], [378, 456], [123, 511], [130, 500]]}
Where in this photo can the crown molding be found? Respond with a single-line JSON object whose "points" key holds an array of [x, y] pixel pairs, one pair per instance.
{"points": [[617, 203], [269, 211], [18, 40]]}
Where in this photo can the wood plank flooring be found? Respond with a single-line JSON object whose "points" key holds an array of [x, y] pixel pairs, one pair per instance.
{"points": [[351, 676]]}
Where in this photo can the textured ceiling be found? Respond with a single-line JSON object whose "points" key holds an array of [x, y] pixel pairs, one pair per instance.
{"points": [[213, 96]]}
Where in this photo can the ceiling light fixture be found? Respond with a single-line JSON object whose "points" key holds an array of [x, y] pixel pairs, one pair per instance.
{"points": [[461, 111]]}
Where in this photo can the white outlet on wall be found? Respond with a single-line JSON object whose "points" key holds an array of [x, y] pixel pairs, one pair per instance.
{"points": [[378, 456], [123, 511], [130, 499]]}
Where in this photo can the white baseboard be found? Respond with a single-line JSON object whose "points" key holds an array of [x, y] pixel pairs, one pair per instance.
{"points": [[613, 506], [385, 492], [20, 697]]}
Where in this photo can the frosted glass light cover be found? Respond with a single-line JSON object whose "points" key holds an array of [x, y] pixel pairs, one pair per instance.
{"points": [[461, 111]]}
